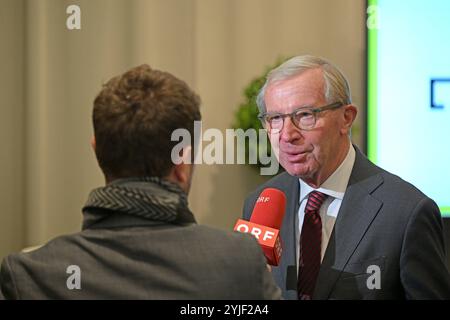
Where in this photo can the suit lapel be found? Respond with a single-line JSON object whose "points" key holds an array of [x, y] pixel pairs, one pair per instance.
{"points": [[288, 233], [287, 270], [358, 210]]}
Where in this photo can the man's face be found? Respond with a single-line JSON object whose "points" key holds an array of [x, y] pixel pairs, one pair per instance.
{"points": [[308, 154]]}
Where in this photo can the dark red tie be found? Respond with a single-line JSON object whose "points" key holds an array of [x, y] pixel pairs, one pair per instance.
{"points": [[310, 246]]}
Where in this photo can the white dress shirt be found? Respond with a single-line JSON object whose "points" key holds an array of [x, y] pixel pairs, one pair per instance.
{"points": [[334, 187]]}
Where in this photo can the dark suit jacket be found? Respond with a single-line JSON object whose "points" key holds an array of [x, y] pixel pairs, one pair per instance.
{"points": [[126, 257], [383, 221]]}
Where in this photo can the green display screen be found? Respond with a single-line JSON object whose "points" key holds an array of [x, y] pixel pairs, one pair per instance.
{"points": [[408, 116]]}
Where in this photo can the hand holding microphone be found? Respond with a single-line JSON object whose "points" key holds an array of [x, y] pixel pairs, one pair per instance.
{"points": [[265, 223]]}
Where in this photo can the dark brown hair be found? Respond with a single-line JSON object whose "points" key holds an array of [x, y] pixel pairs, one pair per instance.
{"points": [[134, 116]]}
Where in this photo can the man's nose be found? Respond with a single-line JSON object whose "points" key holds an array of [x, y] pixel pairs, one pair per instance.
{"points": [[290, 132]]}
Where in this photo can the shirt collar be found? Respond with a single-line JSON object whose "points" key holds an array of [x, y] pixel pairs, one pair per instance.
{"points": [[336, 184]]}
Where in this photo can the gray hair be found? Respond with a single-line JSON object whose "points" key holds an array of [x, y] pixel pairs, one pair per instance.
{"points": [[336, 87]]}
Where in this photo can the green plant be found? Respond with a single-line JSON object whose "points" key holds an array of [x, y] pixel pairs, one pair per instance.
{"points": [[246, 116]]}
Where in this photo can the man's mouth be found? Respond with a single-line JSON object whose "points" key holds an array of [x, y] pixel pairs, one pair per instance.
{"points": [[297, 156]]}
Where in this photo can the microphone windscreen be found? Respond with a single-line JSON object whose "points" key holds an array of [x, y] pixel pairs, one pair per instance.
{"points": [[269, 208]]}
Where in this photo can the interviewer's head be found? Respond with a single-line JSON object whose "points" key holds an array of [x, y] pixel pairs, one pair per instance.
{"points": [[134, 116]]}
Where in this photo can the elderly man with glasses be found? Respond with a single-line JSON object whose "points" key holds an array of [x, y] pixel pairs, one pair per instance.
{"points": [[351, 230]]}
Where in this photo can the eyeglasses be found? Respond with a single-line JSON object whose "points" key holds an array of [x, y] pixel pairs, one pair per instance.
{"points": [[303, 118]]}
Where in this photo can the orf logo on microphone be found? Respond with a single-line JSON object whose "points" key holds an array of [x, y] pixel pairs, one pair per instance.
{"points": [[262, 199], [267, 237]]}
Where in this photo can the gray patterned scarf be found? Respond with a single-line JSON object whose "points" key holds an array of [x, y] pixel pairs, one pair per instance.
{"points": [[148, 197]]}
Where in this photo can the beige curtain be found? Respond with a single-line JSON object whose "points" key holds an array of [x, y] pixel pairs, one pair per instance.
{"points": [[50, 76]]}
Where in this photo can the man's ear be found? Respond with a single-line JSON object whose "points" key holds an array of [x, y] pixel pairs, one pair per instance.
{"points": [[349, 115], [93, 143], [181, 173], [183, 170]]}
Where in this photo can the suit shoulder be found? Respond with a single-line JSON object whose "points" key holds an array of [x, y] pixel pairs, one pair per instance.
{"points": [[382, 182], [399, 186], [32, 267], [402, 199], [39, 254], [281, 181]]}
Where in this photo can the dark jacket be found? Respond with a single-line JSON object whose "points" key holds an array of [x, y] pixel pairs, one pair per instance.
{"points": [[140, 241], [384, 222]]}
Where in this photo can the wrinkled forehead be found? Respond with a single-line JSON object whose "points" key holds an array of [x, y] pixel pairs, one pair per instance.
{"points": [[305, 89]]}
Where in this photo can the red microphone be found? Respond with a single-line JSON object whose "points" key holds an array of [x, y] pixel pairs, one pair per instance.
{"points": [[265, 223]]}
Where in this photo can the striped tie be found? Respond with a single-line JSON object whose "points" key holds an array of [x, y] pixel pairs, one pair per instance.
{"points": [[310, 246]]}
